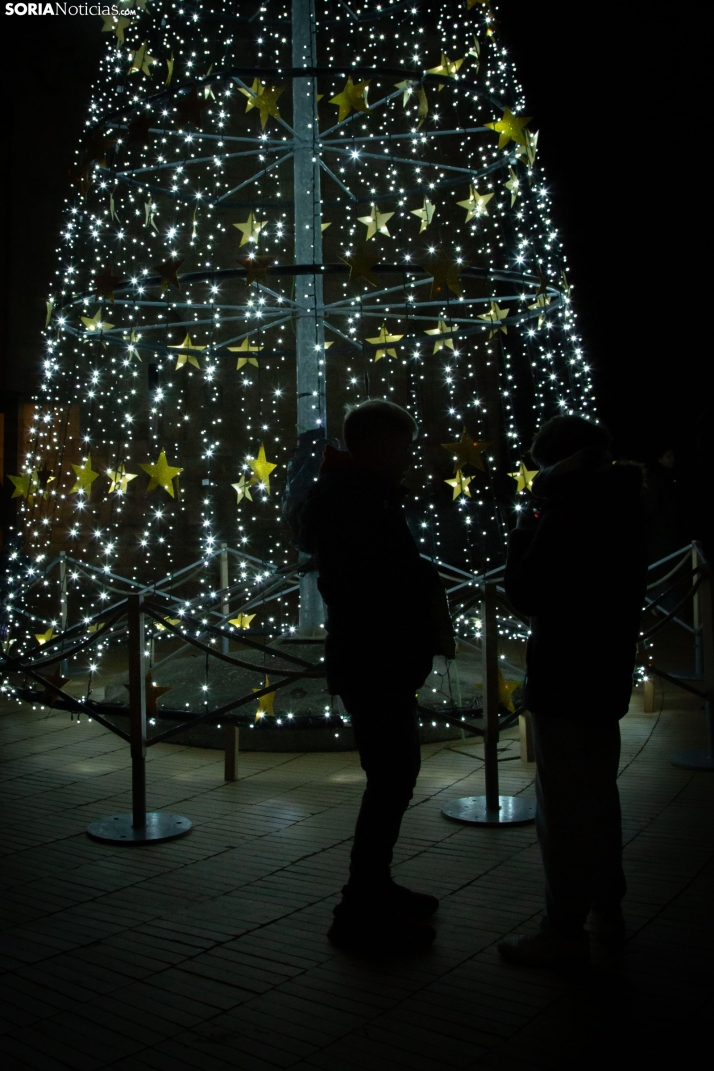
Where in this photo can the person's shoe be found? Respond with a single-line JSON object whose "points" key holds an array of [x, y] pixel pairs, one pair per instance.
{"points": [[389, 899], [548, 948], [411, 905], [362, 933], [607, 927]]}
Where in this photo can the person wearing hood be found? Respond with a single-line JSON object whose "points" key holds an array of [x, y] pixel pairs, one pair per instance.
{"points": [[577, 566], [387, 616]]}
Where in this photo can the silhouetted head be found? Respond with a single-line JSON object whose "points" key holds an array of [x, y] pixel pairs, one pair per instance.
{"points": [[563, 436], [379, 437]]}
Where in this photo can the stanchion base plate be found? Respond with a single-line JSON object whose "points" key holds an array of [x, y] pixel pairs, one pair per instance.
{"points": [[693, 760], [118, 828], [512, 811]]}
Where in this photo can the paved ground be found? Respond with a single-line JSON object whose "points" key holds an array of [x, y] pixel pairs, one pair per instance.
{"points": [[209, 952]]}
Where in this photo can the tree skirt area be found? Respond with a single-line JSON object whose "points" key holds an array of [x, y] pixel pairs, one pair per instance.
{"points": [[306, 717]]}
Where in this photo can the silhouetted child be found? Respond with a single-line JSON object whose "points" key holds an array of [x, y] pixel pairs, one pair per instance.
{"points": [[387, 617]]}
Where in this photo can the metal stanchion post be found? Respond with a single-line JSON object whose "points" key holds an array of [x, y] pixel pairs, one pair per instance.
{"points": [[140, 826], [137, 711], [225, 609], [231, 737], [703, 758], [491, 809]]}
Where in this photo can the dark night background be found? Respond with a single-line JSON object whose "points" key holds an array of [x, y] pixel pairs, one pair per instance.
{"points": [[616, 91]]}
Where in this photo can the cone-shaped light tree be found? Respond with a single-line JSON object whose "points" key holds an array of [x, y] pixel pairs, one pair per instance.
{"points": [[279, 208]]}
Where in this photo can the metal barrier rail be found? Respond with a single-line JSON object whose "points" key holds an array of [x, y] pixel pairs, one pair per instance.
{"points": [[491, 809], [702, 630]]}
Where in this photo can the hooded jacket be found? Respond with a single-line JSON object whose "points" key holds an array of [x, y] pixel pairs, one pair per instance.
{"points": [[385, 604], [580, 576]]}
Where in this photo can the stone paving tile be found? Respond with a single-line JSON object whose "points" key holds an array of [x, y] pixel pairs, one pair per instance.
{"points": [[210, 952]]}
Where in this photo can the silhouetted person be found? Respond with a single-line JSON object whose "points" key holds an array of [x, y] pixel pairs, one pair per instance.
{"points": [[705, 514], [387, 617], [666, 519], [579, 572]]}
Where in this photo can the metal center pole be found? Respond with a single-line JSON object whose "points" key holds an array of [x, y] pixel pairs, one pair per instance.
{"points": [[310, 329]]}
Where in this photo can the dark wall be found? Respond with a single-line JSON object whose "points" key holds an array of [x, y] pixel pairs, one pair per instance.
{"points": [[616, 90], [49, 66]]}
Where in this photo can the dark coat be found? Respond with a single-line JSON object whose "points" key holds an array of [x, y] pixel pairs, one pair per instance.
{"points": [[580, 576], [666, 522], [383, 600]]}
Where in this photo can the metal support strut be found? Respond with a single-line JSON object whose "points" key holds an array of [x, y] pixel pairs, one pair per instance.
{"points": [[491, 809], [140, 826], [703, 758]]}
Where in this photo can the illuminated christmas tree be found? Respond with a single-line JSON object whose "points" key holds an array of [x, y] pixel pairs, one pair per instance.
{"points": [[278, 209]]}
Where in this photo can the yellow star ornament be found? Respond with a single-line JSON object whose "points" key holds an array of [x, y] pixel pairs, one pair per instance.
{"points": [[541, 303], [425, 214], [513, 186], [476, 204], [444, 272], [120, 479], [524, 478], [185, 353], [407, 89], [384, 336], [116, 25], [245, 347], [264, 99], [442, 330], [494, 316], [352, 98], [504, 691], [527, 153], [448, 67], [466, 452], [162, 474], [243, 621], [460, 484], [376, 221], [132, 338], [265, 702], [45, 637], [153, 694], [94, 323], [85, 477], [26, 485], [250, 229], [242, 490], [262, 468], [360, 264], [141, 60], [510, 128]]}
